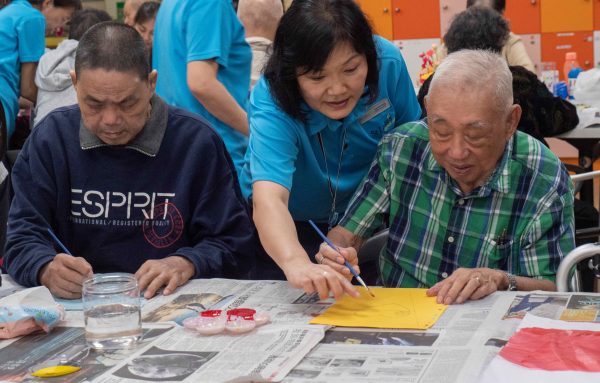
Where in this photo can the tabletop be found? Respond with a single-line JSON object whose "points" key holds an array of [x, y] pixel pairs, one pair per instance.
{"points": [[456, 348]]}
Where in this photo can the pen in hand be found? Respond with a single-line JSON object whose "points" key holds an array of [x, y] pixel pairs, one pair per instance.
{"points": [[348, 265], [58, 242]]}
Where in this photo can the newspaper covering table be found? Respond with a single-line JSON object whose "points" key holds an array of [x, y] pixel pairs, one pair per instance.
{"points": [[456, 349]]}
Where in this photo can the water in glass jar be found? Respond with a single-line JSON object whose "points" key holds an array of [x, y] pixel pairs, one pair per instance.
{"points": [[115, 325]]}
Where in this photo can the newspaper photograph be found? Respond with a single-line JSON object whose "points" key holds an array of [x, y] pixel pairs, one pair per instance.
{"points": [[181, 307], [371, 364], [380, 337], [157, 365], [582, 308], [268, 353], [64, 345], [569, 307], [285, 305]]}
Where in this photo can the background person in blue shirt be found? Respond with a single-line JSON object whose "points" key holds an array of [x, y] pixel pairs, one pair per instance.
{"points": [[23, 25], [21, 46], [329, 93], [204, 65]]}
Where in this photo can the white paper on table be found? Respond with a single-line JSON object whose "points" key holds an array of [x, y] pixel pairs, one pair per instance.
{"points": [[588, 117], [500, 370]]}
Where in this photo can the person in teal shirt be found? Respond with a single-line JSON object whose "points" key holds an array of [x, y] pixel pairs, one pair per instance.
{"points": [[23, 25], [330, 91], [200, 51], [21, 45]]}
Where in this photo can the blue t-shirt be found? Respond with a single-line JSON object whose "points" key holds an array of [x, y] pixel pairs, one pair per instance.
{"points": [[288, 152], [21, 41], [192, 30]]}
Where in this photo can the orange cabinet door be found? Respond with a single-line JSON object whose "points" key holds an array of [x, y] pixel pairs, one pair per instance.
{"points": [[379, 13], [416, 19], [524, 16], [567, 15], [556, 45], [596, 14]]}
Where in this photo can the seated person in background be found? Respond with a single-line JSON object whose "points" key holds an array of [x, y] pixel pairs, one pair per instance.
{"points": [[57, 14], [472, 206], [53, 74], [125, 181], [513, 49], [543, 115], [144, 23], [260, 19]]}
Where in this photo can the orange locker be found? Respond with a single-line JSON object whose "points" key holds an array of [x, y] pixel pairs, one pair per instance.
{"points": [[415, 19], [596, 14], [524, 16], [379, 12], [556, 45], [567, 15]]}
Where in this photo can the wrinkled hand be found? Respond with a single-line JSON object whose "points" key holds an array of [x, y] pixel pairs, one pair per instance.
{"points": [[172, 271], [328, 256], [466, 284], [322, 279], [64, 275]]}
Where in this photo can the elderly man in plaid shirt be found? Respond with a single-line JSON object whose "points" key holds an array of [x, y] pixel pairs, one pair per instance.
{"points": [[472, 205]]}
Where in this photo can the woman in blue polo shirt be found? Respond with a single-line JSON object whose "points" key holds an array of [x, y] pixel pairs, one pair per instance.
{"points": [[330, 91]]}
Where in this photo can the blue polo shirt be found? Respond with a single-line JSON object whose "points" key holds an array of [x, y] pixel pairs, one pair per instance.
{"points": [[22, 29], [192, 30], [288, 152]]}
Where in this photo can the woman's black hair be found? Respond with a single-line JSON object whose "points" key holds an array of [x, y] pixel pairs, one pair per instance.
{"points": [[147, 11], [477, 28], [498, 5], [307, 34]]}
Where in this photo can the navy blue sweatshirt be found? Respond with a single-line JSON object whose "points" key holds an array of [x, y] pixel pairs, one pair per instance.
{"points": [[171, 191]]}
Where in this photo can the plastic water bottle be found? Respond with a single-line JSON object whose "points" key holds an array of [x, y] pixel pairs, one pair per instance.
{"points": [[570, 63], [571, 70], [573, 73]]}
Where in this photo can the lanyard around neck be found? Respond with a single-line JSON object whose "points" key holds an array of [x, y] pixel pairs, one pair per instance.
{"points": [[333, 191]]}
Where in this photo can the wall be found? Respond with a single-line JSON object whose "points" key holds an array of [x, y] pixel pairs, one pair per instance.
{"points": [[549, 28]]}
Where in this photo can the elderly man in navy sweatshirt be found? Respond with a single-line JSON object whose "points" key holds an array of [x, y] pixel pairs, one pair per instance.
{"points": [[126, 182]]}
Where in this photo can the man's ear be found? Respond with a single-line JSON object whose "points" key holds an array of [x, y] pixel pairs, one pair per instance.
{"points": [[73, 78], [152, 77], [513, 119]]}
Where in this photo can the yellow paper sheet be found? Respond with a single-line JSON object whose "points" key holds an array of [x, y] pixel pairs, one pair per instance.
{"points": [[391, 308]]}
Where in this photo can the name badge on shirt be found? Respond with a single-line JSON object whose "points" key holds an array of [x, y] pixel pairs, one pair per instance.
{"points": [[375, 110]]}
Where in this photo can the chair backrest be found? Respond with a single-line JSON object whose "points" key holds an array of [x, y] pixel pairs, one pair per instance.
{"points": [[368, 257], [371, 248]]}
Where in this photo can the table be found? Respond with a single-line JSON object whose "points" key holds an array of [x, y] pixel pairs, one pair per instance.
{"points": [[456, 349]]}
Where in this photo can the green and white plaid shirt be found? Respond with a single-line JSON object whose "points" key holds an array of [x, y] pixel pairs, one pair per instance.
{"points": [[521, 220]]}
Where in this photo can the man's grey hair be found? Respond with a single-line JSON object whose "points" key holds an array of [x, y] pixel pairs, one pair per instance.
{"points": [[260, 14], [477, 69]]}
